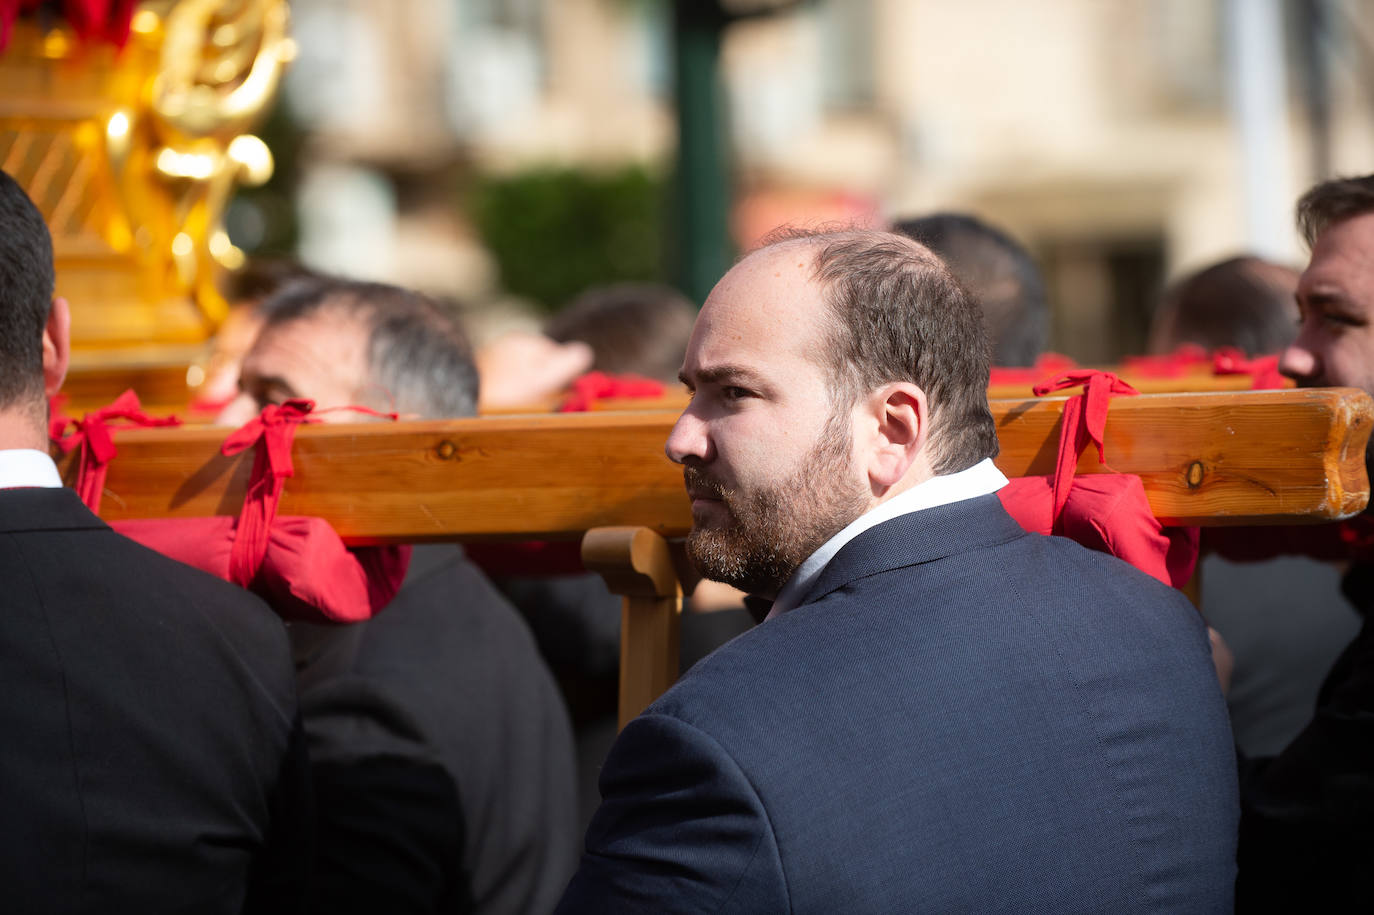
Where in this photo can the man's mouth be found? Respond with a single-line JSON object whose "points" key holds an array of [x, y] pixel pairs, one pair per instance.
{"points": [[700, 488]]}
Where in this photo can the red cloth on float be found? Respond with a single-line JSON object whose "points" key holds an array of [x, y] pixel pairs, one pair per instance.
{"points": [[1263, 370], [306, 572], [1185, 358], [299, 565], [1108, 511], [587, 389]]}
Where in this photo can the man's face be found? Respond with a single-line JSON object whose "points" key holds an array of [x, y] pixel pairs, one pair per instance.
{"points": [[322, 356], [1335, 344], [767, 461]]}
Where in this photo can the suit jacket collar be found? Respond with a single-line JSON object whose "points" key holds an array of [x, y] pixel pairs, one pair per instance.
{"points": [[23, 510], [918, 537]]}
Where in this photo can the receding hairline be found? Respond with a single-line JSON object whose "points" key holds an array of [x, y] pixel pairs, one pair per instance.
{"points": [[818, 241]]}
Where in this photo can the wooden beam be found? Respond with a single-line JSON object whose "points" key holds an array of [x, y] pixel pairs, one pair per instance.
{"points": [[1228, 458], [636, 564], [1192, 382]]}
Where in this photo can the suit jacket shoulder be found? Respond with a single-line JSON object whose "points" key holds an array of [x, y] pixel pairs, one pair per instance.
{"points": [[161, 750], [954, 701]]}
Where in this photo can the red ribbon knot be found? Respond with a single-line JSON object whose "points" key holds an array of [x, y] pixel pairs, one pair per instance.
{"points": [[1086, 415], [93, 432]]}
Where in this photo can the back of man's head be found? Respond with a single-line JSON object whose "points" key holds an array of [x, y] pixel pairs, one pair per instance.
{"points": [[897, 314], [1334, 201], [1245, 302], [26, 290], [419, 362], [1000, 274], [632, 328]]}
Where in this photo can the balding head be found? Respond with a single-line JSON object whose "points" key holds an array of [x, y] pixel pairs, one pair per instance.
{"points": [[896, 313]]}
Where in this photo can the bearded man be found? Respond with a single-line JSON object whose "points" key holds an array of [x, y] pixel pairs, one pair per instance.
{"points": [[941, 712]]}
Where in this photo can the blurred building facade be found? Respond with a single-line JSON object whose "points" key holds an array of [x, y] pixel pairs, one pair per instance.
{"points": [[1123, 142]]}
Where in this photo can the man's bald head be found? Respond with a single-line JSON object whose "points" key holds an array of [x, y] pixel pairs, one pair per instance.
{"points": [[896, 313]]}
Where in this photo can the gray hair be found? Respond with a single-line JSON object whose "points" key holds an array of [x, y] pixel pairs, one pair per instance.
{"points": [[419, 359]]}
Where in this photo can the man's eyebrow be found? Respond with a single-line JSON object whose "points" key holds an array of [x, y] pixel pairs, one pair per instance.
{"points": [[266, 383], [1323, 295], [721, 374]]}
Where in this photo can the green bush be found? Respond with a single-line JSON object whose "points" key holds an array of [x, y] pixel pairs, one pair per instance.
{"points": [[555, 232]]}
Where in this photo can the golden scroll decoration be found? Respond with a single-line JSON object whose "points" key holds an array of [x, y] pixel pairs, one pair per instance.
{"points": [[132, 156]]}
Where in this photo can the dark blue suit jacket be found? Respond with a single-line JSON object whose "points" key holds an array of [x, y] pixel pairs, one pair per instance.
{"points": [[960, 717]]}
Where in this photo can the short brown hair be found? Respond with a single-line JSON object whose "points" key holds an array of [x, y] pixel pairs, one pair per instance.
{"points": [[898, 314], [1334, 201]]}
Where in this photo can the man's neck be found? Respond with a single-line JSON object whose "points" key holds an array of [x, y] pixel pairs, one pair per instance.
{"points": [[18, 430]]}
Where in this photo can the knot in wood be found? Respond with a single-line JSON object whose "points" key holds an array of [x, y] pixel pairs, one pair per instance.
{"points": [[446, 450], [1195, 475]]}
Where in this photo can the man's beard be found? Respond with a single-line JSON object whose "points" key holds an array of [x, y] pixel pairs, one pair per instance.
{"points": [[771, 531]]}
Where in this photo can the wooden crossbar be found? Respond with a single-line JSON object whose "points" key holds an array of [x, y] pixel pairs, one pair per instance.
{"points": [[163, 388], [1249, 457], [1188, 382], [1237, 458]]}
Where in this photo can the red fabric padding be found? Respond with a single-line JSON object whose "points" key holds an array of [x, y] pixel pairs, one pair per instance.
{"points": [[306, 572], [1107, 512], [1263, 370], [270, 434], [1185, 358], [593, 386]]}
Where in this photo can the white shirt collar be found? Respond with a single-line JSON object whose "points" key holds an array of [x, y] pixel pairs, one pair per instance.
{"points": [[981, 479], [25, 467]]}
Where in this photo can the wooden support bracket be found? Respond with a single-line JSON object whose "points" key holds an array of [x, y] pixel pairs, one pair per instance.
{"points": [[636, 564]]}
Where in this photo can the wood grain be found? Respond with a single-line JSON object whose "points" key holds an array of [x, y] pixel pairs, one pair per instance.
{"points": [[1217, 458]]}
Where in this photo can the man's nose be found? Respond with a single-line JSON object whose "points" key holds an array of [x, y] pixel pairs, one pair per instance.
{"points": [[689, 439], [1299, 362]]}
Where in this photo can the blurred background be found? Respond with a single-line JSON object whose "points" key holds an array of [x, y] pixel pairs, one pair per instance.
{"points": [[507, 154]]}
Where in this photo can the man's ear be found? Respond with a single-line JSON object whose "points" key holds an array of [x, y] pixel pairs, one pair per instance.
{"points": [[57, 341], [902, 429]]}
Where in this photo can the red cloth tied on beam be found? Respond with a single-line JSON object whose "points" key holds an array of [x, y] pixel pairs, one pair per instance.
{"points": [[92, 432], [298, 565], [1263, 370], [1084, 420], [272, 431], [1106, 512]]}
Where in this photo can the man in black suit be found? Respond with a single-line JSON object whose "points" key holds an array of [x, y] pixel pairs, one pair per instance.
{"points": [[441, 749], [154, 760], [940, 712]]}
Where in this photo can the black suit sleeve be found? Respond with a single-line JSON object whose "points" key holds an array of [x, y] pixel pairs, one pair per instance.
{"points": [[389, 819], [1307, 815], [279, 881], [679, 829]]}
